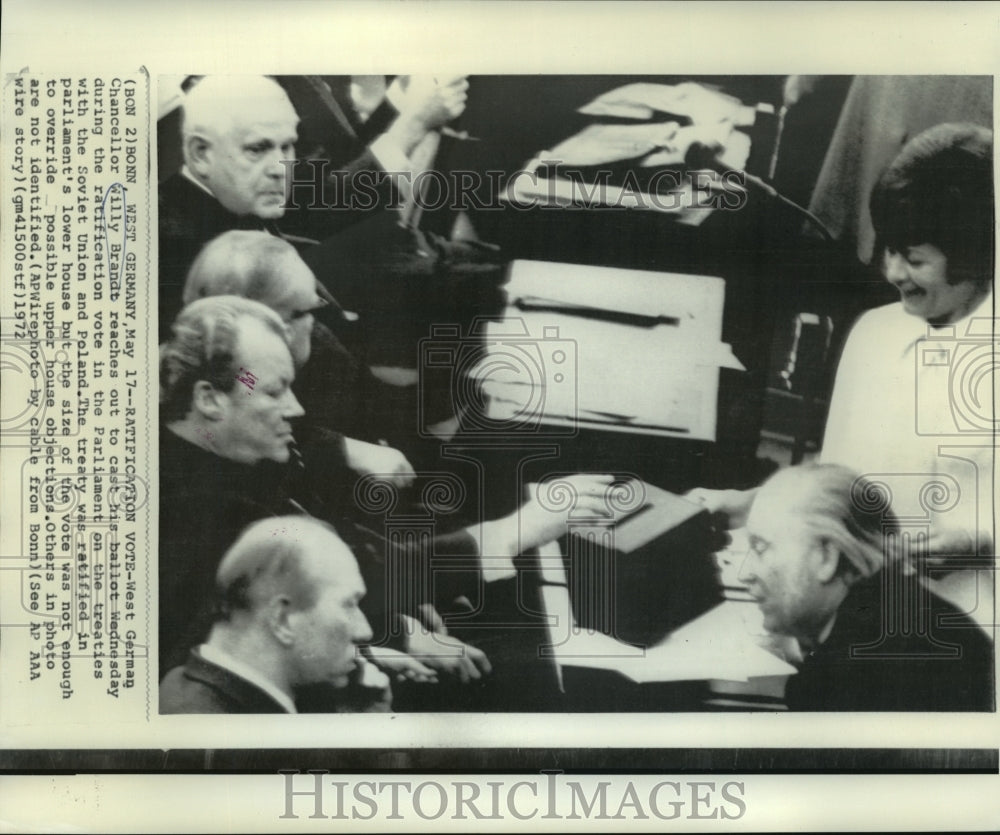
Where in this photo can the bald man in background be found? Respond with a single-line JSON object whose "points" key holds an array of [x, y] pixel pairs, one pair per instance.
{"points": [[236, 132], [288, 618]]}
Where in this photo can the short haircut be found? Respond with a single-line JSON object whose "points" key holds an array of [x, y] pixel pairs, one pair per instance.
{"points": [[837, 505], [203, 347], [212, 104], [239, 263], [939, 190], [268, 559]]}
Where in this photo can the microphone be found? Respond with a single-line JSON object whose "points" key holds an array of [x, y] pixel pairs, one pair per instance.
{"points": [[701, 156]]}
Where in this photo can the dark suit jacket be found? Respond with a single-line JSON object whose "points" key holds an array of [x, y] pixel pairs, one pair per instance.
{"points": [[205, 503], [354, 183], [203, 687], [189, 219], [903, 672]]}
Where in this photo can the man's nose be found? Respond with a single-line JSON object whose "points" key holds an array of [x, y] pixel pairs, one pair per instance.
{"points": [[276, 166], [362, 629], [895, 268], [293, 408]]}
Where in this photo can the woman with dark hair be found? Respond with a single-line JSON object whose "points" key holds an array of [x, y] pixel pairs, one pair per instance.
{"points": [[934, 207], [913, 379]]}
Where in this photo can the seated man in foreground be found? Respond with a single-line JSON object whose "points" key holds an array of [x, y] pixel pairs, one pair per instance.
{"points": [[288, 617], [824, 570]]}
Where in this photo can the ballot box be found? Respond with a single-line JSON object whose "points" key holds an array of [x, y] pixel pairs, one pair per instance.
{"points": [[582, 347], [637, 577]]}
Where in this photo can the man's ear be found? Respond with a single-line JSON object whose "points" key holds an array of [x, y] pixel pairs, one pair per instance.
{"points": [[277, 613], [198, 155], [828, 560], [208, 401]]}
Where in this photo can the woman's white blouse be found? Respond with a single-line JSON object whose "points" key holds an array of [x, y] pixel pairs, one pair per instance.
{"points": [[913, 407]]}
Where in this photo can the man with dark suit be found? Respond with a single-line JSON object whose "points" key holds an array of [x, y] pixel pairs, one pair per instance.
{"points": [[238, 132], [343, 401], [288, 617], [821, 570]]}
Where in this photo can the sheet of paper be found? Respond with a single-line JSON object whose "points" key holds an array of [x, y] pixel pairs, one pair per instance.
{"points": [[734, 145], [720, 644], [597, 144], [690, 298], [681, 200], [672, 367]]}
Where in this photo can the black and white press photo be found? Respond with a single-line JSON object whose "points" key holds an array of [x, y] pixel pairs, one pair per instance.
{"points": [[575, 393], [420, 413]]}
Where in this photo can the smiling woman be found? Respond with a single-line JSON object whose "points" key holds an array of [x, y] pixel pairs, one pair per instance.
{"points": [[913, 402], [899, 409], [933, 213], [920, 273]]}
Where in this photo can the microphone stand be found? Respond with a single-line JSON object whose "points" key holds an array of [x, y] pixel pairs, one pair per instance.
{"points": [[700, 156]]}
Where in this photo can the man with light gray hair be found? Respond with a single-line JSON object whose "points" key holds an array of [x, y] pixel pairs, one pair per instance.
{"points": [[824, 567], [341, 397], [238, 139]]}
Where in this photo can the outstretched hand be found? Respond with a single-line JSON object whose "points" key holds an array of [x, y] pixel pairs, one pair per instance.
{"points": [[374, 459], [543, 518], [729, 507]]}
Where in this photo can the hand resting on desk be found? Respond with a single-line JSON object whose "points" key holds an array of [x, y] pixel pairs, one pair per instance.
{"points": [[444, 654]]}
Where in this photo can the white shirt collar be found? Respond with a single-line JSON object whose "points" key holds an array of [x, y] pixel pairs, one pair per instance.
{"points": [[909, 329], [223, 659]]}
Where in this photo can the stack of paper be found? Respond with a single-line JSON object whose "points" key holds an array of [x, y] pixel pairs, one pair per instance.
{"points": [[698, 103], [655, 144]]}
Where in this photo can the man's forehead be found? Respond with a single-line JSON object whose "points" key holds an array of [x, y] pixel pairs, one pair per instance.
{"points": [[217, 103], [333, 566], [775, 510]]}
